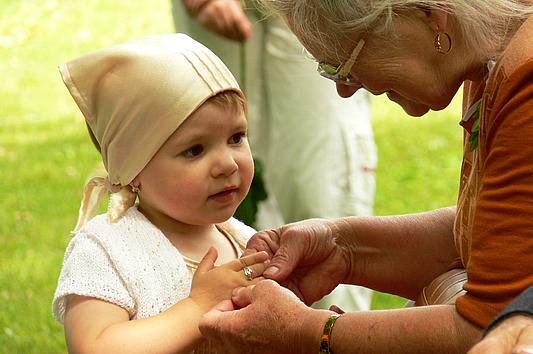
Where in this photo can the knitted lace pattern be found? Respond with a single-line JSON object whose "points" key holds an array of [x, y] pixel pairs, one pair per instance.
{"points": [[129, 263]]}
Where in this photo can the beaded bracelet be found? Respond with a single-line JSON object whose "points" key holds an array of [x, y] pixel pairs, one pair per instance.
{"points": [[326, 334]]}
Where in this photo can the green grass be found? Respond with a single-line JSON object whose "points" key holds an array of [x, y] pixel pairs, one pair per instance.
{"points": [[45, 153], [419, 161], [419, 158]]}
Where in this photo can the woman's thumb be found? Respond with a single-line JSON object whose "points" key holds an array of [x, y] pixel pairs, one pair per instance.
{"points": [[281, 265]]}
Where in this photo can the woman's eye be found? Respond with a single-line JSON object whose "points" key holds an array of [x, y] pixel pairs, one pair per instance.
{"points": [[193, 151], [237, 138]]}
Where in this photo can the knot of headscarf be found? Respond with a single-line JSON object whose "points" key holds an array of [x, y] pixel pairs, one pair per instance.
{"points": [[120, 200]]}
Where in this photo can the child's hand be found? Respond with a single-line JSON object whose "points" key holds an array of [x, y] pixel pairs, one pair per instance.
{"points": [[211, 284]]}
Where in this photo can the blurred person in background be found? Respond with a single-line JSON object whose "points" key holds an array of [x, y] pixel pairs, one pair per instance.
{"points": [[316, 149]]}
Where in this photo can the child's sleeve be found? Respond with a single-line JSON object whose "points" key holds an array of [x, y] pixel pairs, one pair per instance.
{"points": [[88, 270]]}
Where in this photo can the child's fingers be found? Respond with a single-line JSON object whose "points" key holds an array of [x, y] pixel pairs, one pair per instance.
{"points": [[254, 270], [208, 262], [239, 264]]}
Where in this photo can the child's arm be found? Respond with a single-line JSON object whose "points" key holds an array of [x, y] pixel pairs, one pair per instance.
{"points": [[97, 326]]}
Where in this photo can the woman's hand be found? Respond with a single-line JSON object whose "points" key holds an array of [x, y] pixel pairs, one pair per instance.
{"points": [[225, 17], [305, 257], [273, 320], [514, 335], [211, 284]]}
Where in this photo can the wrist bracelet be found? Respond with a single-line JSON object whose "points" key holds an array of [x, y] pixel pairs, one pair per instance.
{"points": [[326, 334]]}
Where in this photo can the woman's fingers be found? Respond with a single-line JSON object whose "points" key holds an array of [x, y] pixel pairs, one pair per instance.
{"points": [[267, 240], [242, 297], [514, 335], [287, 251]]}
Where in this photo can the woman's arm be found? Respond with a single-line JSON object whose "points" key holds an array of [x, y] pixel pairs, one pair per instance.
{"points": [[427, 329], [394, 254], [273, 320], [398, 254]]}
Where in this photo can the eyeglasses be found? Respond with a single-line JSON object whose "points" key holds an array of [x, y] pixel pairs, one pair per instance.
{"points": [[341, 74]]}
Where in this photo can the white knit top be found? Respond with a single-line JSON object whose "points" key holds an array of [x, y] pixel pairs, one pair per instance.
{"points": [[130, 263]]}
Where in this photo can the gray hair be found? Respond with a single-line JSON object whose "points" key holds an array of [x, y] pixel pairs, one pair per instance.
{"points": [[484, 25]]}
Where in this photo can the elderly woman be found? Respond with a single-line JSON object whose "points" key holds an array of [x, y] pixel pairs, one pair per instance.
{"points": [[418, 52]]}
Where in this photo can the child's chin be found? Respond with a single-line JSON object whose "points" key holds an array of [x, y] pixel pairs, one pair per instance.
{"points": [[223, 217]]}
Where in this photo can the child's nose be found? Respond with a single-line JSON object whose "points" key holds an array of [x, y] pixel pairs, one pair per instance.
{"points": [[225, 164]]}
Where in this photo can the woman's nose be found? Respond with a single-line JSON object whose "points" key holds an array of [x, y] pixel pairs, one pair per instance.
{"points": [[346, 90]]}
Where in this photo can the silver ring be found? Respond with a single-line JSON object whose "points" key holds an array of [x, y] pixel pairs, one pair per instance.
{"points": [[248, 273]]}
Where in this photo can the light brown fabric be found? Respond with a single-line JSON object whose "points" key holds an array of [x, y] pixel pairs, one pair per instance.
{"points": [[135, 95], [494, 222], [445, 289]]}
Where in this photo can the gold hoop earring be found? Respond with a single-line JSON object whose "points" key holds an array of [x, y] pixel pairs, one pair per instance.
{"points": [[438, 43], [134, 189]]}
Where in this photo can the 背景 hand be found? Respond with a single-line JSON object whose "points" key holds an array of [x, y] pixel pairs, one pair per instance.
{"points": [[514, 335], [305, 257], [225, 17]]}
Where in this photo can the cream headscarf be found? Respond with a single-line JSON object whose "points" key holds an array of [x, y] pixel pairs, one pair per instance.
{"points": [[134, 96]]}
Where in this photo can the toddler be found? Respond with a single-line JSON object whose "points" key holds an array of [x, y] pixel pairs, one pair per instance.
{"points": [[170, 122]]}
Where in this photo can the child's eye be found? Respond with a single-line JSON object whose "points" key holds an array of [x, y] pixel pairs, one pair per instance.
{"points": [[193, 151], [237, 138]]}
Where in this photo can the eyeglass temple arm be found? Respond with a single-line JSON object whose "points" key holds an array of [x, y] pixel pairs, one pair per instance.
{"points": [[351, 60]]}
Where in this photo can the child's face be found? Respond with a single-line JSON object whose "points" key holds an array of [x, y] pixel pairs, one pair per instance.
{"points": [[202, 172]]}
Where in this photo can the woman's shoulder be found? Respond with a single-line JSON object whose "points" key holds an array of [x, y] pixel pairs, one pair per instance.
{"points": [[519, 51], [509, 84]]}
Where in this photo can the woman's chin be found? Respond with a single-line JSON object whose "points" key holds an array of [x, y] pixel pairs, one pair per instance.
{"points": [[416, 110], [411, 108], [419, 113]]}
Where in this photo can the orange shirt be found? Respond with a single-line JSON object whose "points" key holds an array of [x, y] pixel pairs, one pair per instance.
{"points": [[494, 221]]}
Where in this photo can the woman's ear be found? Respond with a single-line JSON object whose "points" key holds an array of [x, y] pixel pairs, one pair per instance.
{"points": [[435, 18]]}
